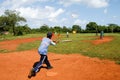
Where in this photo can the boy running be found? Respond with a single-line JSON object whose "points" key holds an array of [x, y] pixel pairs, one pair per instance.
{"points": [[42, 50]]}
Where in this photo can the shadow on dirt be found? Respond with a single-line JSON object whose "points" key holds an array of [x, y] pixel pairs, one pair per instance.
{"points": [[34, 65]]}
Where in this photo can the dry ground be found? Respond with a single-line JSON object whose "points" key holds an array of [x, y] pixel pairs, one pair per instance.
{"points": [[16, 65]]}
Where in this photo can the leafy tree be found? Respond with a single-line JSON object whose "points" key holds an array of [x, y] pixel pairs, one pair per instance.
{"points": [[65, 29], [51, 29], [57, 29], [35, 30], [3, 22], [117, 29], [101, 28], [26, 29], [20, 30], [76, 28], [44, 28], [92, 27], [112, 27], [12, 19]]}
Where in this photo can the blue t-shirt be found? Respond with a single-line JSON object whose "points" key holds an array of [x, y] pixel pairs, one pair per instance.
{"points": [[43, 48]]}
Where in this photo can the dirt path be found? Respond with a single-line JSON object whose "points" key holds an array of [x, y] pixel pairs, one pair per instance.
{"points": [[104, 40], [13, 44], [16, 66], [100, 41]]}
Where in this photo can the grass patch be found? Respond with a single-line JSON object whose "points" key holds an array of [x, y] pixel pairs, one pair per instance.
{"points": [[76, 46], [28, 46], [11, 37], [109, 50], [3, 51], [117, 62]]}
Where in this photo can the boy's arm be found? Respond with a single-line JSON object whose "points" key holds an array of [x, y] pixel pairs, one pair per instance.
{"points": [[56, 41], [53, 43]]}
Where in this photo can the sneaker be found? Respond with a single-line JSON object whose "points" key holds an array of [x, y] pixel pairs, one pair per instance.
{"points": [[31, 73], [49, 67]]}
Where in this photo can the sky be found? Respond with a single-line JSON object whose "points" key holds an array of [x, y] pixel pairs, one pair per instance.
{"points": [[64, 12]]}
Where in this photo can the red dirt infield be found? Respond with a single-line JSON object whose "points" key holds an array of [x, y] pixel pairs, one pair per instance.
{"points": [[13, 44], [100, 41], [104, 40], [16, 66]]}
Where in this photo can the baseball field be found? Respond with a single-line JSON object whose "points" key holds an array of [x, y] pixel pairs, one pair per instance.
{"points": [[79, 57]]}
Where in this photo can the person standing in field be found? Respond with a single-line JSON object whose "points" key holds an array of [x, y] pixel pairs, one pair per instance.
{"points": [[67, 34], [42, 50], [101, 34]]}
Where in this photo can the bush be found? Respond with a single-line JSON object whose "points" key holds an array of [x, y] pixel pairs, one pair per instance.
{"points": [[19, 33]]}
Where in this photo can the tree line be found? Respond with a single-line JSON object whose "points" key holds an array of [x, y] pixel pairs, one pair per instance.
{"points": [[11, 19]]}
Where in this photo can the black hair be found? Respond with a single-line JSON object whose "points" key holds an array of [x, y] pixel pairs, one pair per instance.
{"points": [[49, 35]]}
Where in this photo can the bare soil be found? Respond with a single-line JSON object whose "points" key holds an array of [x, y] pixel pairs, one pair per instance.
{"points": [[104, 40], [100, 41], [16, 66], [13, 44]]}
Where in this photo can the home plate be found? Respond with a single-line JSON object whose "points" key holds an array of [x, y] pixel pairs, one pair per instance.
{"points": [[51, 73]]}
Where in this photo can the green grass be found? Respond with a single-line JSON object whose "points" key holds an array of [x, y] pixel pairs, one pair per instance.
{"points": [[3, 51], [109, 50], [28, 46], [11, 37]]}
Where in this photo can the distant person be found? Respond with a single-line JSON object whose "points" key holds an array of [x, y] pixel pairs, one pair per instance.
{"points": [[67, 34], [101, 34], [42, 50]]}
